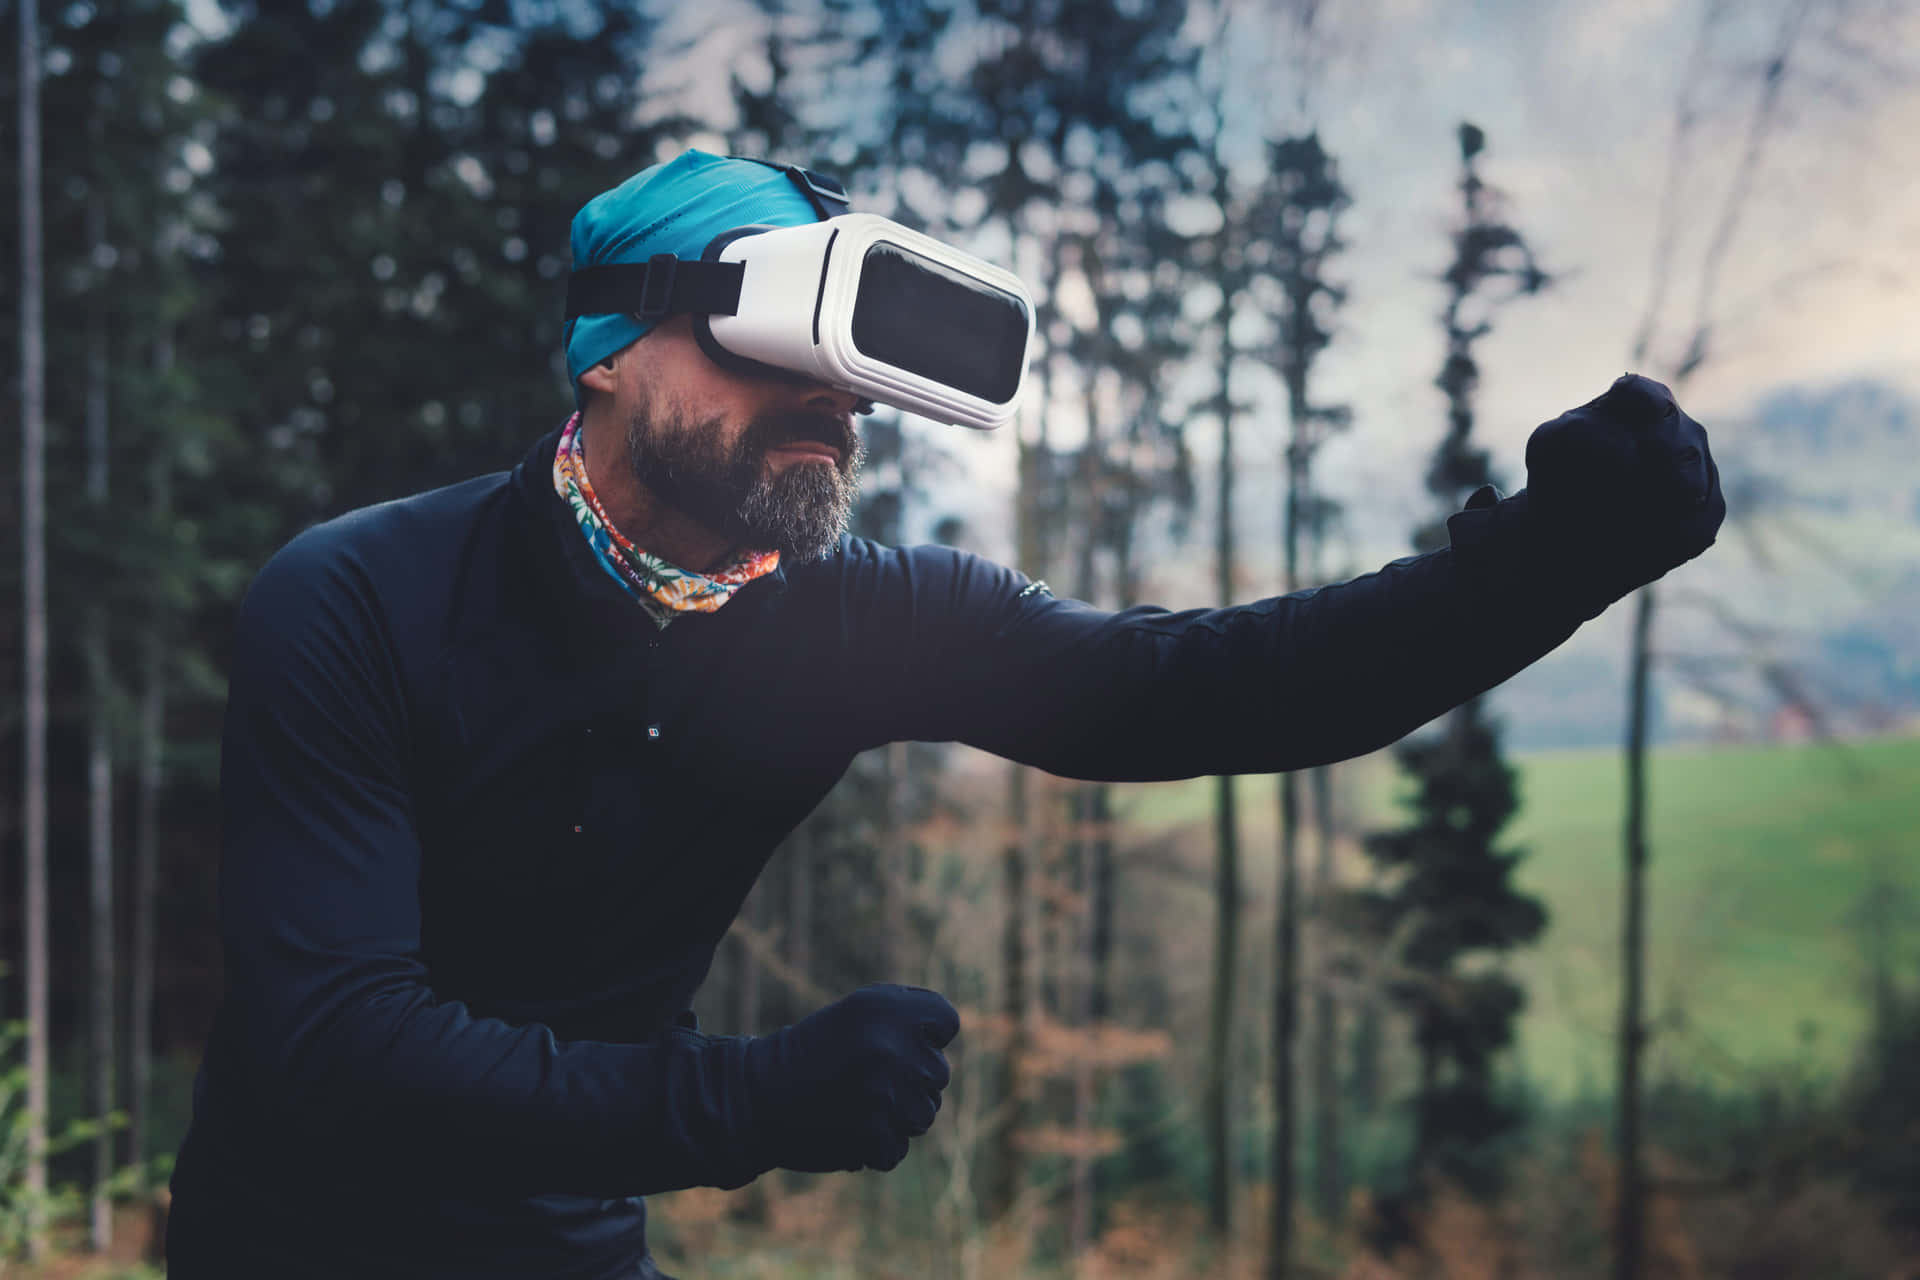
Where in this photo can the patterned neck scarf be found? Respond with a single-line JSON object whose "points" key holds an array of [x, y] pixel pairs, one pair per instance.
{"points": [[664, 590]]}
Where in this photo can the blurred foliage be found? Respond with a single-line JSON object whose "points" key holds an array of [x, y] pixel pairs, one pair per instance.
{"points": [[62, 1202]]}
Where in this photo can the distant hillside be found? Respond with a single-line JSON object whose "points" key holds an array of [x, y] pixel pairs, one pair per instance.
{"points": [[1844, 448], [1815, 589]]}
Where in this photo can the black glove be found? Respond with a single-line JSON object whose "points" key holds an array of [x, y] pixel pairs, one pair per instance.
{"points": [[844, 1088], [1618, 492]]}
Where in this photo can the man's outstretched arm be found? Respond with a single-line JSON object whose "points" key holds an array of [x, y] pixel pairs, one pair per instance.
{"points": [[1621, 490]]}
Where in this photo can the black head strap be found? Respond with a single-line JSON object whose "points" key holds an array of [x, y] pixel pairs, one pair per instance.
{"points": [[662, 285], [826, 195]]}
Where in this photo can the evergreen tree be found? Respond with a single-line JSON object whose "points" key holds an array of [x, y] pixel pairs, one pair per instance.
{"points": [[398, 182], [1449, 893]]}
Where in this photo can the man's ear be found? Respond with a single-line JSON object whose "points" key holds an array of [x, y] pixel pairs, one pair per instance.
{"points": [[599, 377]]}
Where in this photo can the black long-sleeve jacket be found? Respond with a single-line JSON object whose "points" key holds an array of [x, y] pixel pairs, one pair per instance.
{"points": [[484, 827]]}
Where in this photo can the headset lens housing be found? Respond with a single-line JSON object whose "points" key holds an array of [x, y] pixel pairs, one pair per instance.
{"points": [[936, 323]]}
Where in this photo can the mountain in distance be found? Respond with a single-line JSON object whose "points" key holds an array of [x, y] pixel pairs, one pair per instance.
{"points": [[1844, 449], [1803, 619]]}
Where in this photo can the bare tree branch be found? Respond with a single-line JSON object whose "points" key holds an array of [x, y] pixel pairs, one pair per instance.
{"points": [[1733, 209], [1667, 228]]}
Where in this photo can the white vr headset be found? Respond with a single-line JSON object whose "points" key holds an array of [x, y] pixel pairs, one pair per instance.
{"points": [[856, 302]]}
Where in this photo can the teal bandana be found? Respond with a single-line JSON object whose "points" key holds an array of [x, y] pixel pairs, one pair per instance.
{"points": [[677, 208]]}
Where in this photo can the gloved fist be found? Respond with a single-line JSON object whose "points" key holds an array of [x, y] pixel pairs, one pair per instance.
{"points": [[1623, 489], [844, 1088]]}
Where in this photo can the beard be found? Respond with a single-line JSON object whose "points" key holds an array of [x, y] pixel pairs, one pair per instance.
{"points": [[800, 511]]}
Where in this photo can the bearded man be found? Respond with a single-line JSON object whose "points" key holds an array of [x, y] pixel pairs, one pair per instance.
{"points": [[503, 760]]}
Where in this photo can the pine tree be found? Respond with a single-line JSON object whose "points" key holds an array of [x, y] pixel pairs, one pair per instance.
{"points": [[1449, 892], [399, 182]]}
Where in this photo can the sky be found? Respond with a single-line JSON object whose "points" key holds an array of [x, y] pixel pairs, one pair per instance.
{"points": [[1577, 99]]}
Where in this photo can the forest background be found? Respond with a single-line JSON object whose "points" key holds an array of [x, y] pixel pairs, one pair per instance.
{"points": [[1612, 972]]}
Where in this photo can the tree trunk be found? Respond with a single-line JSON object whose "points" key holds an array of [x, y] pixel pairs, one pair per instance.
{"points": [[1226, 932], [1102, 891], [800, 872], [1285, 1011], [146, 848], [1103, 874], [1286, 903], [1422, 1113], [893, 863], [1015, 1005], [1329, 1181], [1629, 1226], [747, 1013], [1328, 1177], [1101, 888], [100, 740], [1016, 859], [1286, 945], [1080, 1221], [1092, 867], [1226, 945], [1369, 1038], [33, 609]]}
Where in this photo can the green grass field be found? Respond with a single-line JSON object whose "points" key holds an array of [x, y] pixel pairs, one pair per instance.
{"points": [[1770, 866]]}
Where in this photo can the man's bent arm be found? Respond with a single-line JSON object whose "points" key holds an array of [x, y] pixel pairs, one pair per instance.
{"points": [[339, 1032]]}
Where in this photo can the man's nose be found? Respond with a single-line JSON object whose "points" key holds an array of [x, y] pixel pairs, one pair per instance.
{"points": [[821, 396]]}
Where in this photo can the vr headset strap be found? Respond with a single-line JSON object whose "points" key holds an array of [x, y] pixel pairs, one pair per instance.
{"points": [[662, 285], [825, 194]]}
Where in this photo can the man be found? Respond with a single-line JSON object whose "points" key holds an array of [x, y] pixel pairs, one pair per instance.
{"points": [[503, 760]]}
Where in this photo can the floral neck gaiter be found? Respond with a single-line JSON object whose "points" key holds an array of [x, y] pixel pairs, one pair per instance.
{"points": [[664, 590]]}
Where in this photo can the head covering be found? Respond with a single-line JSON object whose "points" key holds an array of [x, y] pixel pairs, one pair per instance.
{"points": [[677, 208]]}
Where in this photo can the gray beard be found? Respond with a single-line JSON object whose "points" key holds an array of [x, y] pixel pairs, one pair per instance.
{"points": [[800, 511]]}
